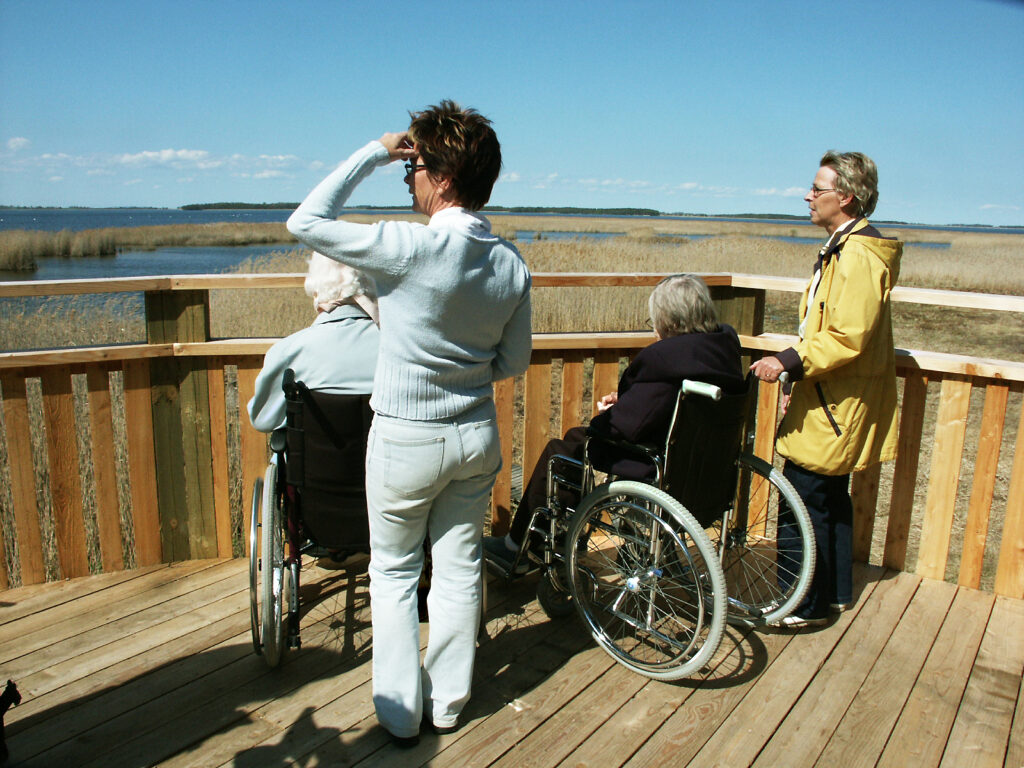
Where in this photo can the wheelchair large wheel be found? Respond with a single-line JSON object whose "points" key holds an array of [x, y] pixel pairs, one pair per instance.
{"points": [[645, 580], [768, 556], [254, 565], [274, 581]]}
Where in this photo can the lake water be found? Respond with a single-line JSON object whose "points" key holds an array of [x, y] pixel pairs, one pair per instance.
{"points": [[205, 260]]}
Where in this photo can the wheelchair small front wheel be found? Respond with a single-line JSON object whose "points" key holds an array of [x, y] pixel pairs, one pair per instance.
{"points": [[556, 602], [645, 580]]}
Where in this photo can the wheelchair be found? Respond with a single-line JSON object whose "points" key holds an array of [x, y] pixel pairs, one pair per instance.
{"points": [[311, 500], [655, 570]]}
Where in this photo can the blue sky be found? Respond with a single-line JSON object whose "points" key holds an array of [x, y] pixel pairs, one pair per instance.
{"points": [[679, 106]]}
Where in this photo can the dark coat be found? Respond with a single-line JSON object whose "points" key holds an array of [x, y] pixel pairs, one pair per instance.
{"points": [[650, 385]]}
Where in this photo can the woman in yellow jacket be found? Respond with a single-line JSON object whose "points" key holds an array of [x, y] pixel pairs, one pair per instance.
{"points": [[841, 413]]}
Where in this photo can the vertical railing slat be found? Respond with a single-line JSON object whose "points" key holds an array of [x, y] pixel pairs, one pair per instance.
{"points": [[254, 443], [606, 374], [501, 495], [138, 406], [537, 409], [65, 478], [23, 479], [901, 504], [1010, 569], [767, 419], [572, 390], [219, 449], [950, 428], [108, 513], [864, 492], [986, 464]]}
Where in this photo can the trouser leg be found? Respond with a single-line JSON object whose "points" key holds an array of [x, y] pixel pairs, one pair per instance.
{"points": [[398, 524], [841, 541], [454, 602], [818, 494]]}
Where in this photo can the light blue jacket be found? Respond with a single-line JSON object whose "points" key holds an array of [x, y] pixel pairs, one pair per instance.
{"points": [[454, 298], [337, 353]]}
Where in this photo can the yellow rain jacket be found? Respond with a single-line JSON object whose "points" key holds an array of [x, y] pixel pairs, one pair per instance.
{"points": [[842, 415]]}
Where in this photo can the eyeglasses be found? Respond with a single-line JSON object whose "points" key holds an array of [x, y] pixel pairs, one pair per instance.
{"points": [[817, 192], [411, 168]]}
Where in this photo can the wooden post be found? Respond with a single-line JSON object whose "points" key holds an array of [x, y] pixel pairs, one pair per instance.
{"points": [[181, 426], [742, 308]]}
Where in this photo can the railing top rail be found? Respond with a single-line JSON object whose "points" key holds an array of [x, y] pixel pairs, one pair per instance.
{"points": [[906, 359], [540, 280]]}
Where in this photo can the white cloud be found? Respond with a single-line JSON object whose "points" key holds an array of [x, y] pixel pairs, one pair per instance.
{"points": [[17, 143], [174, 157], [268, 174], [998, 207], [774, 192], [510, 176], [56, 179]]}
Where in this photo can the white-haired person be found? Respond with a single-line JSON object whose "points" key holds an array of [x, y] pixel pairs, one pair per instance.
{"points": [[691, 344], [455, 318], [337, 353]]}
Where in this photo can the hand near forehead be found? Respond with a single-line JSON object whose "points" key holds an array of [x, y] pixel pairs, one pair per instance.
{"points": [[398, 145]]}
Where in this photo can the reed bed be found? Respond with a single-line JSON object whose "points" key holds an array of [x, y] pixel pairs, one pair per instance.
{"points": [[19, 248]]}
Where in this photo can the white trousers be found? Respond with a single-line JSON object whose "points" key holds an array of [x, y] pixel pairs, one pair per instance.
{"points": [[427, 477]]}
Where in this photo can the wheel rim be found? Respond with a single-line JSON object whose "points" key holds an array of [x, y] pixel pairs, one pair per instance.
{"points": [[271, 569], [638, 585], [764, 585], [254, 566]]}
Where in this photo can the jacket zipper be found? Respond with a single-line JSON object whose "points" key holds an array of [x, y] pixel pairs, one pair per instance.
{"points": [[828, 413]]}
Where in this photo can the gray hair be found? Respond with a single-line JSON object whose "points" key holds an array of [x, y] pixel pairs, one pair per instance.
{"points": [[682, 304], [856, 175], [330, 283]]}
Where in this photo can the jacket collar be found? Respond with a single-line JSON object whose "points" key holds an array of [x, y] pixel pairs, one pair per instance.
{"points": [[341, 312]]}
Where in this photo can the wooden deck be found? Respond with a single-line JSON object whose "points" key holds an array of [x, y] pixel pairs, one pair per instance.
{"points": [[155, 667]]}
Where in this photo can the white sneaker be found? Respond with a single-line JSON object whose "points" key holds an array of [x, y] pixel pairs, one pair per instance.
{"points": [[794, 621]]}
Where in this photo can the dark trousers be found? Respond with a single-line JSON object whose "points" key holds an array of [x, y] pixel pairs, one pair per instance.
{"points": [[827, 498], [535, 492]]}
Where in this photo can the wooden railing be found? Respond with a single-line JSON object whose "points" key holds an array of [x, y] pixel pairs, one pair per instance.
{"points": [[162, 408]]}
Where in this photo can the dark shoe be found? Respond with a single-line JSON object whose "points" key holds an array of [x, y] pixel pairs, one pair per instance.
{"points": [[404, 742], [497, 551], [440, 730]]}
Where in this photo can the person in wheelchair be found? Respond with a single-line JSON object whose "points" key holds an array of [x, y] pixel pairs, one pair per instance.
{"points": [[337, 353], [691, 344]]}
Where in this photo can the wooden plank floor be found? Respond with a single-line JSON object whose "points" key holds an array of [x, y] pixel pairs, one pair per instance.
{"points": [[155, 667]]}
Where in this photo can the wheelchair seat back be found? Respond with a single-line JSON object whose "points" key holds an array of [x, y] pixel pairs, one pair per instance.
{"points": [[325, 463], [703, 443]]}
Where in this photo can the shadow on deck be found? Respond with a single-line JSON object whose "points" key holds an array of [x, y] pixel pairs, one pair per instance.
{"points": [[155, 666]]}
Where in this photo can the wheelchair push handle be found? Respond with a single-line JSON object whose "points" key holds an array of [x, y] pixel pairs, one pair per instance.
{"points": [[703, 389]]}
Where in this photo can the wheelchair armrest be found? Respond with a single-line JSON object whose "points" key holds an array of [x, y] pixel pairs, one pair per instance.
{"points": [[642, 452]]}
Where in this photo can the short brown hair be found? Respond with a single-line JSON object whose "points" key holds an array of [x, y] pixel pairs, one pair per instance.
{"points": [[856, 175], [461, 145]]}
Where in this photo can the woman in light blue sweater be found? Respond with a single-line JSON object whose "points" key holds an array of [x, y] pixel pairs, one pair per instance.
{"points": [[454, 304]]}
